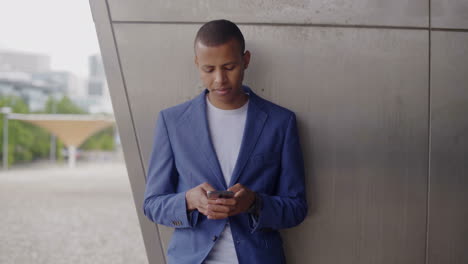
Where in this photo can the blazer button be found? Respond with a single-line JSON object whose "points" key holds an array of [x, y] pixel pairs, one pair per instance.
{"points": [[215, 238]]}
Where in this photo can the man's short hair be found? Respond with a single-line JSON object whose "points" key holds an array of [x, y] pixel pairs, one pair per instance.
{"points": [[218, 32]]}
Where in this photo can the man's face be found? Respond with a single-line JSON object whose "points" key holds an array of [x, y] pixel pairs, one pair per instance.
{"points": [[222, 69]]}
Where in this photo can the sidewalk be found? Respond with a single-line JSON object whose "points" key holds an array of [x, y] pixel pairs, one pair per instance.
{"points": [[54, 214]]}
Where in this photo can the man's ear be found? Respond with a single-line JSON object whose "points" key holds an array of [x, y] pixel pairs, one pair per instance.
{"points": [[195, 60], [246, 58]]}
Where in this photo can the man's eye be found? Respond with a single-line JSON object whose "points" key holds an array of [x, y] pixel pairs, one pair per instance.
{"points": [[208, 70], [230, 68]]}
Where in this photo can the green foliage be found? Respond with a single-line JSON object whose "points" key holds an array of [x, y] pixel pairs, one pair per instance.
{"points": [[26, 142], [63, 106], [103, 140]]}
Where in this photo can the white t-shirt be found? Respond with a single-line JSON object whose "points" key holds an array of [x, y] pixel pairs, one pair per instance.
{"points": [[226, 130]]}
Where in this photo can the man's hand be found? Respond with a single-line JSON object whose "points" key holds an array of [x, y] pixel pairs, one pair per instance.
{"points": [[243, 199], [196, 198]]}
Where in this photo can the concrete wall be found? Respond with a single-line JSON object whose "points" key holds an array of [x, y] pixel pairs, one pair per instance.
{"points": [[380, 89]]}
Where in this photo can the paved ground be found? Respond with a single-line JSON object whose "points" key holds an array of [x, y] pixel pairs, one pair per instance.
{"points": [[53, 214]]}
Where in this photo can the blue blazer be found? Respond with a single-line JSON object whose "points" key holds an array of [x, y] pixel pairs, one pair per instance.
{"points": [[270, 163]]}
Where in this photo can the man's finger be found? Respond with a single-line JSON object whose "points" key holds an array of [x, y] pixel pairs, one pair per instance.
{"points": [[218, 208], [207, 187], [221, 201], [235, 188], [239, 193], [214, 215]]}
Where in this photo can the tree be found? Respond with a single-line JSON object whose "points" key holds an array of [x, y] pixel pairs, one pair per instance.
{"points": [[62, 106], [26, 142]]}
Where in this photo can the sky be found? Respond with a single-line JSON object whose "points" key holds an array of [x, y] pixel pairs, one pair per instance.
{"points": [[63, 29]]}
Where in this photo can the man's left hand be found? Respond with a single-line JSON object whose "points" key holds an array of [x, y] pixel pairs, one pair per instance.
{"points": [[242, 201]]}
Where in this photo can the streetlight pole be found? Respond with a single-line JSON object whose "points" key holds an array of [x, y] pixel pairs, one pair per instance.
{"points": [[5, 111]]}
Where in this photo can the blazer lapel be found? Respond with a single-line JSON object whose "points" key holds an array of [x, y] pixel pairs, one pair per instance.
{"points": [[199, 125], [255, 122]]}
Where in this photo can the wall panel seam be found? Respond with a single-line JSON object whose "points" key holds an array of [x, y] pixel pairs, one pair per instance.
{"points": [[449, 29], [130, 112], [126, 94], [426, 249], [294, 25], [275, 24]]}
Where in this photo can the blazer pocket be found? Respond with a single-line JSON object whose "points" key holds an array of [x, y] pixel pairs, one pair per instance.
{"points": [[268, 240]]}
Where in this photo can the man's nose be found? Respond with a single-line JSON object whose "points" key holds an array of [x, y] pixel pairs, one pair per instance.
{"points": [[220, 76]]}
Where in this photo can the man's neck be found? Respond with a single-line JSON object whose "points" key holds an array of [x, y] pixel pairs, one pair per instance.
{"points": [[234, 104]]}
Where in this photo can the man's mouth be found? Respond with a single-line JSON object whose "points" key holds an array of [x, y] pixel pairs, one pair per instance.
{"points": [[222, 91]]}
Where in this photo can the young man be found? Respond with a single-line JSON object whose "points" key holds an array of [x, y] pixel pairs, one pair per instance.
{"points": [[227, 138]]}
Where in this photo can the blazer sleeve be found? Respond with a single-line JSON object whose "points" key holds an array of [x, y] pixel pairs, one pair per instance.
{"points": [[288, 207], [162, 204]]}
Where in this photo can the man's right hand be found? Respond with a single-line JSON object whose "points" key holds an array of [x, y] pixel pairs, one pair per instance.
{"points": [[196, 198]]}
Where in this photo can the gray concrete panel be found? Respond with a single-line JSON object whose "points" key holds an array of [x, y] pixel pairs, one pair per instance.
{"points": [[358, 12], [153, 78], [123, 116], [448, 210], [159, 73], [449, 14], [361, 98]]}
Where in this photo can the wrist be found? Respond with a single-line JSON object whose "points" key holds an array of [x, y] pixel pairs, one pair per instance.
{"points": [[190, 207]]}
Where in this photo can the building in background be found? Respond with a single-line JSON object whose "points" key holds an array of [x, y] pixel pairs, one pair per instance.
{"points": [[34, 94], [13, 61], [98, 92], [30, 76], [24, 75], [64, 82]]}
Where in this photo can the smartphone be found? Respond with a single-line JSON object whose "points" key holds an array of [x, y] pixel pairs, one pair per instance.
{"points": [[219, 194]]}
